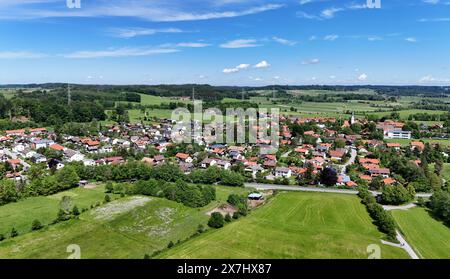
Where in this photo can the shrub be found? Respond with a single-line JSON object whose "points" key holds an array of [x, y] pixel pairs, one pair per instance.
{"points": [[107, 198], [75, 211], [170, 245], [109, 187], [2, 237], [227, 218], [216, 220], [36, 225], [200, 228], [14, 232]]}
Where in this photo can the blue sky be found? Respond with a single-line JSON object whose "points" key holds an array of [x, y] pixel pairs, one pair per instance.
{"points": [[225, 42]]}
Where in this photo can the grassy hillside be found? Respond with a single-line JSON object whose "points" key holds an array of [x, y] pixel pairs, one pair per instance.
{"points": [[429, 237], [293, 225], [125, 228], [21, 214]]}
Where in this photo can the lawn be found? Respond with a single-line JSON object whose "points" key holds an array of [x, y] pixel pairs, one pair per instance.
{"points": [[21, 214], [126, 228], [293, 225], [429, 237]]}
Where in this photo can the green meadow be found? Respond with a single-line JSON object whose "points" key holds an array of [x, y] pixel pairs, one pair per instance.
{"points": [[292, 225], [428, 236], [126, 228], [21, 214]]}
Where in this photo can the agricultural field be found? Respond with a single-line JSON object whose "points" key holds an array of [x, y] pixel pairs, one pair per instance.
{"points": [[404, 114], [293, 225], [125, 228], [429, 237], [405, 142], [21, 214]]}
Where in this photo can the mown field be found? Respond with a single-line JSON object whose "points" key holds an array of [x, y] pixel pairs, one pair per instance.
{"points": [[293, 225], [21, 214], [429, 237], [404, 114], [405, 142], [125, 228]]}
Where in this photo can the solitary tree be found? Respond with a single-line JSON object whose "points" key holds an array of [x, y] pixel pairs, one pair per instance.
{"points": [[216, 220], [329, 177]]}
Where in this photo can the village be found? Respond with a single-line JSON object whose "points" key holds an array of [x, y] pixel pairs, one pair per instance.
{"points": [[298, 160]]}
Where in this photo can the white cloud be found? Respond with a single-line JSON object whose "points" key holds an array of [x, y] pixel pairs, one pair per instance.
{"points": [[332, 37], [437, 19], [262, 64], [432, 2], [240, 44], [411, 40], [329, 13], [137, 31], [313, 61], [432, 79], [120, 52], [20, 55], [236, 69], [193, 45], [155, 10], [362, 77], [284, 41], [374, 38]]}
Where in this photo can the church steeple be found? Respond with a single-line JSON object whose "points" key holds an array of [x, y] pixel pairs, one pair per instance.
{"points": [[352, 120]]}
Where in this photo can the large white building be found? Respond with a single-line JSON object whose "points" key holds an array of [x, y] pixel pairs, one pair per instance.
{"points": [[397, 134]]}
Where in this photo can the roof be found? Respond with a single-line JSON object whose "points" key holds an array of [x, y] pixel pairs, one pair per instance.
{"points": [[57, 147], [389, 181], [182, 156], [20, 131], [337, 153], [393, 144]]}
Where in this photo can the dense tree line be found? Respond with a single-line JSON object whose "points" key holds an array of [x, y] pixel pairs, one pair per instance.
{"points": [[180, 191], [440, 205], [64, 179], [382, 218]]}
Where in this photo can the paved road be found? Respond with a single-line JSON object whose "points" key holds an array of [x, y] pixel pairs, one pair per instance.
{"points": [[260, 186], [350, 161], [403, 245]]}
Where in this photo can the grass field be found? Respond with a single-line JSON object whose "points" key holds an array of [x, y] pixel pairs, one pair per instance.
{"points": [[125, 228], [293, 225], [404, 114], [21, 214], [406, 142], [429, 237]]}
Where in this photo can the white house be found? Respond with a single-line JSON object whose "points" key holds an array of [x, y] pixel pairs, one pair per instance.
{"points": [[282, 172]]}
